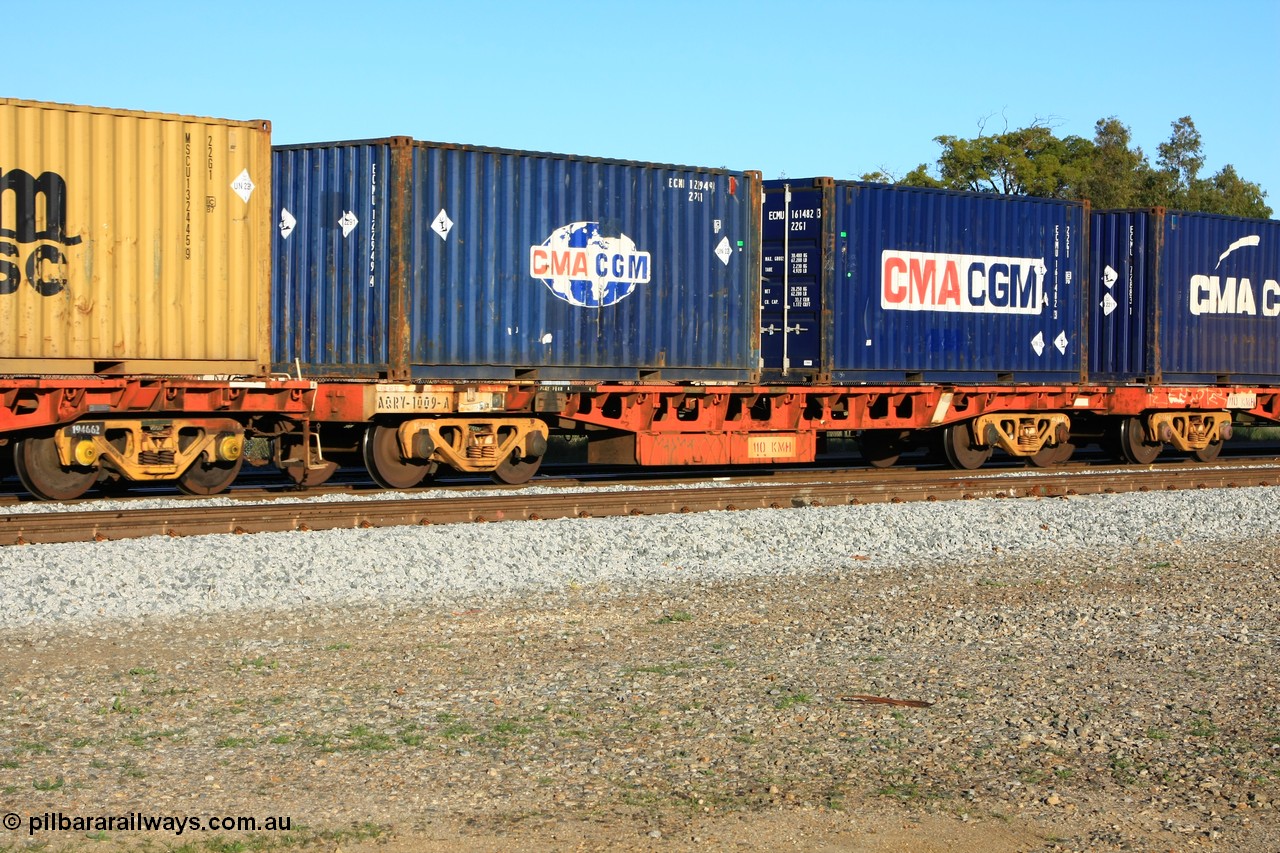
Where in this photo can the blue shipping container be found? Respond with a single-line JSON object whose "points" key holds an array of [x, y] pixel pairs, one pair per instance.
{"points": [[331, 276], [1184, 297], [428, 261], [925, 285]]}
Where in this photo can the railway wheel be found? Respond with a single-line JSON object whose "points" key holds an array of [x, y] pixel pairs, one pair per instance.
{"points": [[113, 485], [961, 452], [36, 460], [515, 471], [1048, 457], [1208, 453], [381, 451], [1135, 444], [881, 448], [204, 478]]}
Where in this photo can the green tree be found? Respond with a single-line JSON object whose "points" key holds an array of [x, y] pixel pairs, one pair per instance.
{"points": [[1113, 172], [1178, 183], [1108, 170], [1228, 193], [1026, 161], [1180, 161]]}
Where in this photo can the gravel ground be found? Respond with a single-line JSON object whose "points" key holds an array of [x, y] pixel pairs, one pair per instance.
{"points": [[1101, 673]]}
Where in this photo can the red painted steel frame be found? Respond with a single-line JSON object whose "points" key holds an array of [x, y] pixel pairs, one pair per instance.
{"points": [[674, 422], [679, 408], [27, 404], [712, 424]]}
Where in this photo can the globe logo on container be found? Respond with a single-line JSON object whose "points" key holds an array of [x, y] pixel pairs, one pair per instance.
{"points": [[583, 267]]}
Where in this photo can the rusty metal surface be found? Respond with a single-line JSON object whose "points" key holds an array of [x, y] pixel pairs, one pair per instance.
{"points": [[871, 487]]}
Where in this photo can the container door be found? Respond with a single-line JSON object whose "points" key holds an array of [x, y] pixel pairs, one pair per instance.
{"points": [[791, 289]]}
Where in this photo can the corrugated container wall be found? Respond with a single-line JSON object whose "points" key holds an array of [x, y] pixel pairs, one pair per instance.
{"points": [[332, 268], [504, 264], [933, 285], [132, 241], [1184, 297]]}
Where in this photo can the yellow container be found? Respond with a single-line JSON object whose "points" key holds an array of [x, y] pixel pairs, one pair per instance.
{"points": [[132, 242]]}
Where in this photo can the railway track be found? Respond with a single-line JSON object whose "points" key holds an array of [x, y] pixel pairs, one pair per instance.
{"points": [[794, 489]]}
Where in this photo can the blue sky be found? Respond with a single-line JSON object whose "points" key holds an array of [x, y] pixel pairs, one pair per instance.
{"points": [[799, 88]]}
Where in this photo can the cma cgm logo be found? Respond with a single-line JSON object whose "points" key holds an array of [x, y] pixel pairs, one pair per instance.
{"points": [[586, 268], [978, 284], [1219, 294], [24, 251]]}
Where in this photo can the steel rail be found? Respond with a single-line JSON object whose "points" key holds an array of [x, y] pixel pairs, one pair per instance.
{"points": [[876, 487]]}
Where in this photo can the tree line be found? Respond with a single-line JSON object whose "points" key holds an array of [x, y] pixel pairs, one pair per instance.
{"points": [[1108, 170]]}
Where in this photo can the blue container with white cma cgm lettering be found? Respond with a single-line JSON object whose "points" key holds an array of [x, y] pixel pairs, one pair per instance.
{"points": [[921, 285], [1184, 297], [420, 260]]}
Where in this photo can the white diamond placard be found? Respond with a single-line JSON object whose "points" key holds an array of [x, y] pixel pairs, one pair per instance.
{"points": [[442, 225], [1037, 343], [1108, 304], [1061, 342], [286, 222], [348, 223], [1110, 277], [242, 186], [723, 252]]}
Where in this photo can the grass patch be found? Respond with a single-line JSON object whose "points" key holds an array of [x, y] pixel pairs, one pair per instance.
{"points": [[670, 618], [901, 791], [656, 669], [456, 730], [366, 739], [1201, 725], [258, 664], [791, 700], [1122, 769], [410, 736]]}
